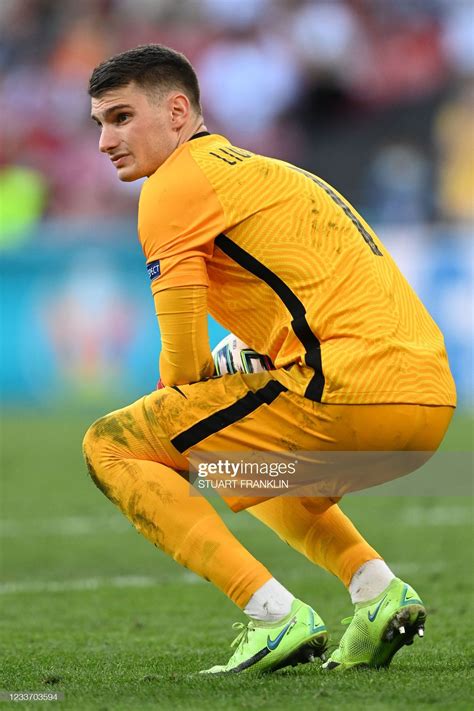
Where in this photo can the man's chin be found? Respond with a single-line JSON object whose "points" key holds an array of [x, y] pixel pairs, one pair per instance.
{"points": [[128, 175]]}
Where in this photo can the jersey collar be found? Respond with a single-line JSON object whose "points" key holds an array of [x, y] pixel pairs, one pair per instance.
{"points": [[199, 135]]}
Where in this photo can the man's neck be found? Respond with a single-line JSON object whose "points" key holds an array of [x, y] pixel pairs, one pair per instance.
{"points": [[196, 126]]}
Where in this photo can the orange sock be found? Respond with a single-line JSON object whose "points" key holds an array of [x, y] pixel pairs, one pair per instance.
{"points": [[159, 503], [317, 528]]}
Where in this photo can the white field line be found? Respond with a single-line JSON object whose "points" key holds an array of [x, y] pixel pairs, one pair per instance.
{"points": [[63, 526], [400, 568], [184, 578], [83, 584], [437, 516], [416, 516], [406, 567]]}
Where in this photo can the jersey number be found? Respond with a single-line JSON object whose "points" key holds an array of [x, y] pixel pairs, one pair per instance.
{"points": [[345, 208]]}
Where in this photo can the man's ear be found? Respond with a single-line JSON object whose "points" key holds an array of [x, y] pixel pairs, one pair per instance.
{"points": [[180, 108]]}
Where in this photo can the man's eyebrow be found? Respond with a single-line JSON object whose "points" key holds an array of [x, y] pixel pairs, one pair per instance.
{"points": [[111, 110]]}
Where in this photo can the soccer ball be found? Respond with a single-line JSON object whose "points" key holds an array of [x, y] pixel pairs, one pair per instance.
{"points": [[232, 355]]}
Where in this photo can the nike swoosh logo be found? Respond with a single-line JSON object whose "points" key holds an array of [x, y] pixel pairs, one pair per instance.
{"points": [[376, 611], [312, 627], [273, 643], [406, 599]]}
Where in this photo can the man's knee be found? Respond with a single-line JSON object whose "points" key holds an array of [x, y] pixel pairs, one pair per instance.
{"points": [[100, 448], [119, 436]]}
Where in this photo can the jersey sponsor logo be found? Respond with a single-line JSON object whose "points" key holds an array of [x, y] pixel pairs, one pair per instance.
{"points": [[153, 269]]}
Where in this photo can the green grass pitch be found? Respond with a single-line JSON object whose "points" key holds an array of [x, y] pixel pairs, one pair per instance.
{"points": [[91, 609]]}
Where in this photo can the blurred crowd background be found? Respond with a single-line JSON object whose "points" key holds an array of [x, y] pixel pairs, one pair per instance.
{"points": [[376, 96]]}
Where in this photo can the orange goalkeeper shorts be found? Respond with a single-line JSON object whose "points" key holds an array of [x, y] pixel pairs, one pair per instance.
{"points": [[253, 412]]}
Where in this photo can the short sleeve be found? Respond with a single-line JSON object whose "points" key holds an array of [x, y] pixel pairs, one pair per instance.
{"points": [[179, 217]]}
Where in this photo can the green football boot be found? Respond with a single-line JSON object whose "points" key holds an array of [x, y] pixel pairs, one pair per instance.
{"points": [[298, 638], [379, 628]]}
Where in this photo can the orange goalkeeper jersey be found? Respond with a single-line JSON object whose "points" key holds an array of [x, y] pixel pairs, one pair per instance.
{"points": [[295, 272]]}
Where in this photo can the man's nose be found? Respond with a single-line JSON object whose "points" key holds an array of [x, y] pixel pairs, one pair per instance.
{"points": [[108, 139]]}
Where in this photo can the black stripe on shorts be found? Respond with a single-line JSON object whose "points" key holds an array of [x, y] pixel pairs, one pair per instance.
{"points": [[228, 416], [300, 325]]}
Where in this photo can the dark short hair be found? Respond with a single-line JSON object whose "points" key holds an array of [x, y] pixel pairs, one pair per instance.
{"points": [[150, 66]]}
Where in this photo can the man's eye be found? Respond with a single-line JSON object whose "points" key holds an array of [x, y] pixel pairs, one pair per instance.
{"points": [[122, 117]]}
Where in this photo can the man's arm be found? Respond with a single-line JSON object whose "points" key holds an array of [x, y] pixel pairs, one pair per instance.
{"points": [[185, 352], [179, 218]]}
